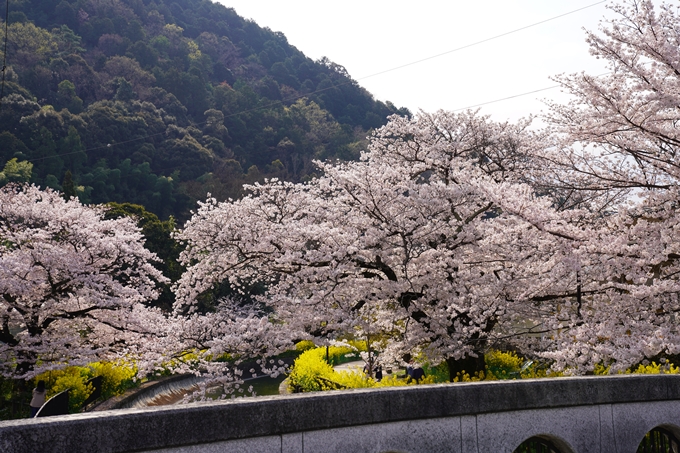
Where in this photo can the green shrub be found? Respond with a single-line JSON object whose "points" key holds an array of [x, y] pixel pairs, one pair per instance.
{"points": [[359, 345], [14, 398], [502, 365], [116, 377], [392, 380], [651, 368], [438, 373], [655, 368], [465, 377], [336, 354], [71, 378], [304, 345], [353, 379], [311, 373]]}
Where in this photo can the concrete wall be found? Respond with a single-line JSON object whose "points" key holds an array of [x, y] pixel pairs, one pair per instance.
{"points": [[594, 414]]}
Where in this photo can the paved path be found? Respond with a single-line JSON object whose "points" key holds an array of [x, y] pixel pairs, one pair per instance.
{"points": [[357, 366]]}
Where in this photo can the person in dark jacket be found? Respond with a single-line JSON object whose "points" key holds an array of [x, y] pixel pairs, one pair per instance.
{"points": [[415, 372]]}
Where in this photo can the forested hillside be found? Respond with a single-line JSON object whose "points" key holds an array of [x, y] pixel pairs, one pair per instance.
{"points": [[158, 102]]}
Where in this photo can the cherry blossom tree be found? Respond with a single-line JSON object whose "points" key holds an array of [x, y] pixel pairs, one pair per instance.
{"points": [[406, 246], [76, 287], [614, 156], [224, 347], [454, 232], [73, 286]]}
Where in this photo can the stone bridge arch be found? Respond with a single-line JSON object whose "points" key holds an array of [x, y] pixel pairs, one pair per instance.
{"points": [[551, 444], [634, 420], [660, 440]]}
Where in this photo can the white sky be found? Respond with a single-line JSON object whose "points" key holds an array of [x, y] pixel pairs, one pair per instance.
{"points": [[371, 36]]}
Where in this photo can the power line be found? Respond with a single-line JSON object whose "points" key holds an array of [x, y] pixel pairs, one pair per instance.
{"points": [[348, 82], [521, 94], [467, 46], [506, 98]]}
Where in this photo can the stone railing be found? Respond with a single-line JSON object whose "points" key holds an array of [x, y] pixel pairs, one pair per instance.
{"points": [[604, 414]]}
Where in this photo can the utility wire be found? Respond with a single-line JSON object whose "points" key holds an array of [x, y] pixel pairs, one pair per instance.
{"points": [[521, 94], [505, 99], [480, 42], [349, 82]]}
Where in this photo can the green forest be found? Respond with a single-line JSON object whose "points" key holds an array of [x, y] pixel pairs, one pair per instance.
{"points": [[160, 102]]}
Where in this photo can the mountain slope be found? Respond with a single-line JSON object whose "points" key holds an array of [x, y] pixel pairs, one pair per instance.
{"points": [[158, 102]]}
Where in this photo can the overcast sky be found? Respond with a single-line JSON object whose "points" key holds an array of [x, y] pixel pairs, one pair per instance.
{"points": [[372, 36]]}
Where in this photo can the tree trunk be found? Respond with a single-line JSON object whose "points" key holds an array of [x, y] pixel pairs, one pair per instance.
{"points": [[469, 365]]}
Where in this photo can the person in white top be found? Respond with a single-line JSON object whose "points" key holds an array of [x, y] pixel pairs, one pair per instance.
{"points": [[38, 398]]}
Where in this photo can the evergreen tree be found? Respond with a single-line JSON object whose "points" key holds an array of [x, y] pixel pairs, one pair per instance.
{"points": [[68, 189]]}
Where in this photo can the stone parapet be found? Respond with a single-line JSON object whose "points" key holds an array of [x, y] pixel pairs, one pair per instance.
{"points": [[284, 417]]}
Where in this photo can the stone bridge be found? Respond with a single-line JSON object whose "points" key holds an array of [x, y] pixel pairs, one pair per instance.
{"points": [[574, 415]]}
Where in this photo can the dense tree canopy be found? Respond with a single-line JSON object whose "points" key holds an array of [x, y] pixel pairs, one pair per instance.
{"points": [[414, 244], [77, 285], [148, 102], [615, 156], [73, 284]]}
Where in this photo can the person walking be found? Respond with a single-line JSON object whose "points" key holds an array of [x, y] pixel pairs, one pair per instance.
{"points": [[418, 373], [38, 399], [414, 372]]}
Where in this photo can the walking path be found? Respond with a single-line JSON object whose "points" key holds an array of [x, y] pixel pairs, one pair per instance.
{"points": [[357, 366]]}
